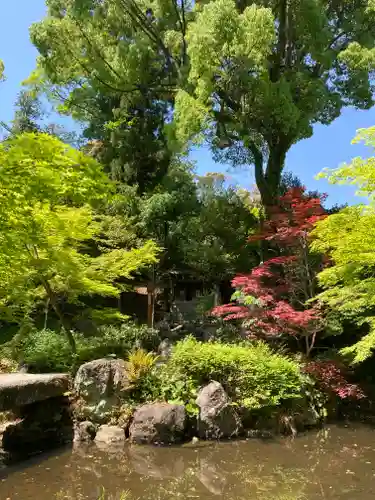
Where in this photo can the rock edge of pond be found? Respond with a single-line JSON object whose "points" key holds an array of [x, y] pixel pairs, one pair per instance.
{"points": [[101, 387]]}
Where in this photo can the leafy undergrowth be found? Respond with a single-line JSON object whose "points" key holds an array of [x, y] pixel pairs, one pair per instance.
{"points": [[49, 351], [254, 376]]}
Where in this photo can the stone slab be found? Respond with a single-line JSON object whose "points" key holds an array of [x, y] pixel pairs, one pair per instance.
{"points": [[19, 389]]}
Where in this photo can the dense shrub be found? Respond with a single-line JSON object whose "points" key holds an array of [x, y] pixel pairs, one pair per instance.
{"points": [[7, 365], [254, 376], [49, 351]]}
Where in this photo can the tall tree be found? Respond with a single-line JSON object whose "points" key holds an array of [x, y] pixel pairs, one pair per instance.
{"points": [[262, 74], [215, 246], [251, 78], [112, 65], [28, 113], [273, 300]]}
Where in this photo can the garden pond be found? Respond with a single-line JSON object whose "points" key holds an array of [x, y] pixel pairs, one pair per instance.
{"points": [[337, 462]]}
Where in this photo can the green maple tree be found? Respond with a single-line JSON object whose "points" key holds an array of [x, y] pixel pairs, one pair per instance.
{"points": [[348, 238], [49, 193]]}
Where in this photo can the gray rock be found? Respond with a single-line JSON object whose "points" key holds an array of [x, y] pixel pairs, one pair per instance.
{"points": [[308, 417], [158, 423], [217, 417], [101, 384], [109, 435], [19, 389], [84, 432], [165, 349]]}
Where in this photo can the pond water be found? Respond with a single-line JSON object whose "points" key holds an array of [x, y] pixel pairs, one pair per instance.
{"points": [[334, 463]]}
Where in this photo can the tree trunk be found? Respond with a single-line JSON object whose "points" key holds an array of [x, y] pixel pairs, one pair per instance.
{"points": [[55, 305], [217, 296], [150, 305], [268, 179]]}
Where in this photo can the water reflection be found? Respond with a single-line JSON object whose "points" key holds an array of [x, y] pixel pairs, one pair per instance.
{"points": [[335, 463]]}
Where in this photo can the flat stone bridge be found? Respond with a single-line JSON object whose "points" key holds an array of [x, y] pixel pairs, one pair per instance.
{"points": [[20, 389]]}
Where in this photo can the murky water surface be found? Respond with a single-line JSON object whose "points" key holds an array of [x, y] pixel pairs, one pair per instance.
{"points": [[336, 463]]}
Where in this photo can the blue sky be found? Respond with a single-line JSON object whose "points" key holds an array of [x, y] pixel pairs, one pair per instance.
{"points": [[328, 147]]}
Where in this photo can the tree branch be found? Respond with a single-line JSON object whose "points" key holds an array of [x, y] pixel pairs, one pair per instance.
{"points": [[96, 50], [182, 24], [336, 39], [137, 16]]}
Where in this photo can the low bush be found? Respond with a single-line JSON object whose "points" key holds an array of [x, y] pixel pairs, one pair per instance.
{"points": [[49, 351], [252, 373], [8, 365]]}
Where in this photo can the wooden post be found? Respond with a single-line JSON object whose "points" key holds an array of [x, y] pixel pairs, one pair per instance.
{"points": [[150, 305], [217, 298]]}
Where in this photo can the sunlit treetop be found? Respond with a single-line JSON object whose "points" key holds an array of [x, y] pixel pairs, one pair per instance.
{"points": [[359, 172], [252, 78]]}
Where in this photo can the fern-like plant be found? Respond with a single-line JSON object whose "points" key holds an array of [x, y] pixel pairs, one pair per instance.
{"points": [[140, 364]]}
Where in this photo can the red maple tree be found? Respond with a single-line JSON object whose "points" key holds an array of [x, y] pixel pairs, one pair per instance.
{"points": [[331, 377], [271, 300]]}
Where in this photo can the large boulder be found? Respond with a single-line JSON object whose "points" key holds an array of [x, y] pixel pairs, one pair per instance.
{"points": [[110, 435], [101, 385], [158, 423], [217, 417], [20, 389], [84, 432]]}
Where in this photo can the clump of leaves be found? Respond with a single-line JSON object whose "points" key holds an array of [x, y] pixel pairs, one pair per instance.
{"points": [[49, 195], [121, 415], [332, 378], [140, 364], [49, 351]]}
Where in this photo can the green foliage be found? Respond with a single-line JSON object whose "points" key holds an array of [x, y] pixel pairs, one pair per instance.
{"points": [[261, 74], [48, 192], [359, 172], [254, 376], [8, 365], [348, 238], [205, 303], [184, 216], [215, 249], [227, 332], [251, 77], [46, 351], [122, 113], [140, 364], [49, 351], [31, 116]]}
